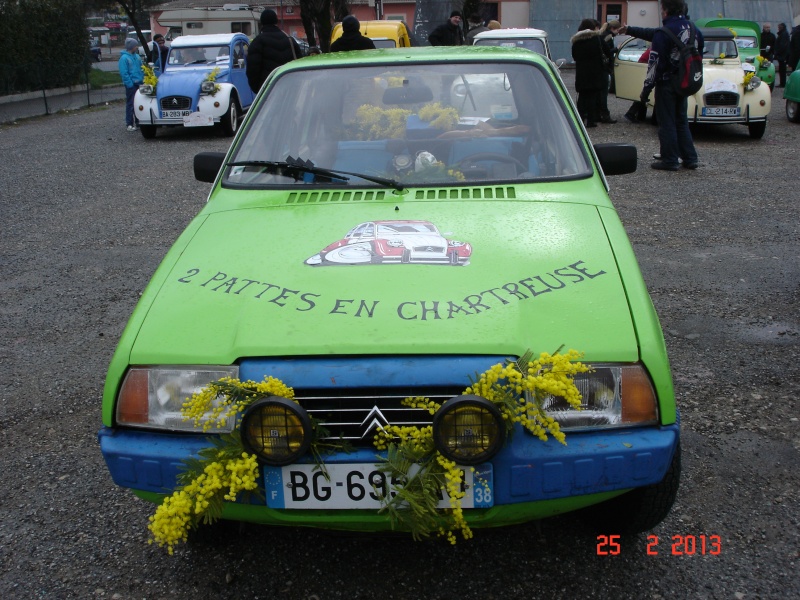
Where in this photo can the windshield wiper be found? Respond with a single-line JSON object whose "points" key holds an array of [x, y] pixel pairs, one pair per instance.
{"points": [[296, 167]]}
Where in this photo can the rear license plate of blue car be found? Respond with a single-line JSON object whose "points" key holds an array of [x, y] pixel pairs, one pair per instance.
{"points": [[353, 486]]}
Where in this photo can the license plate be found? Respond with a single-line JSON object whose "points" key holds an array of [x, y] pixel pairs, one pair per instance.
{"points": [[198, 119], [354, 486], [721, 111], [175, 114]]}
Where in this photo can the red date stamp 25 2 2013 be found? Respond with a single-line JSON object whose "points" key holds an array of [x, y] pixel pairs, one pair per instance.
{"points": [[679, 545]]}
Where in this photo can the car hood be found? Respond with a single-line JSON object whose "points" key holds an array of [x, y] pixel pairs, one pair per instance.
{"points": [[540, 275], [182, 81], [730, 72]]}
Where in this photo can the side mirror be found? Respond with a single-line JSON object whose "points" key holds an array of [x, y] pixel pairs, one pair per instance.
{"points": [[616, 158], [207, 165]]}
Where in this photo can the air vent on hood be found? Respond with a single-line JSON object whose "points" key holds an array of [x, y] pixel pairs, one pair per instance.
{"points": [[477, 193], [320, 197]]}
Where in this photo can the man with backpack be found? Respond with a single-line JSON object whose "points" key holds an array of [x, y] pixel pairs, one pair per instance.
{"points": [[666, 67]]}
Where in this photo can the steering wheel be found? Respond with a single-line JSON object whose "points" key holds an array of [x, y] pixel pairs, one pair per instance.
{"points": [[473, 159]]}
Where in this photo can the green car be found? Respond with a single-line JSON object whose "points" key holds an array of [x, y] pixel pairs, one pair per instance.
{"points": [[791, 93], [748, 39], [385, 227]]}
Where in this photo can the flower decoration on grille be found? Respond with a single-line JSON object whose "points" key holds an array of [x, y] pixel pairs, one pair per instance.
{"points": [[421, 464]]}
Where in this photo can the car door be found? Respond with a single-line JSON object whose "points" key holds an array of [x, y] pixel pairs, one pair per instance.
{"points": [[239, 73], [629, 73]]}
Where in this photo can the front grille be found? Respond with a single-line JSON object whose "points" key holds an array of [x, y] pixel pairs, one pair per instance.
{"points": [[176, 103], [722, 99], [353, 395], [356, 416], [438, 249]]}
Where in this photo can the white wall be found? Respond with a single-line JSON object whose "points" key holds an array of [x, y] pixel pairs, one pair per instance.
{"points": [[515, 14], [652, 16]]}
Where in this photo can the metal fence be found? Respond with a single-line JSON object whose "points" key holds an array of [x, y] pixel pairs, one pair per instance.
{"points": [[30, 90]]}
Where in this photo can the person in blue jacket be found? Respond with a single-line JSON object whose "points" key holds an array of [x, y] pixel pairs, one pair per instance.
{"points": [[674, 136], [130, 69]]}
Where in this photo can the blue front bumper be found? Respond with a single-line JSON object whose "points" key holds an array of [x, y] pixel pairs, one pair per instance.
{"points": [[526, 470]]}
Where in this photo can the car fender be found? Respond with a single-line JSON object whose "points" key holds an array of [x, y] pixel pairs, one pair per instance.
{"points": [[145, 107], [758, 102], [792, 89], [216, 105]]}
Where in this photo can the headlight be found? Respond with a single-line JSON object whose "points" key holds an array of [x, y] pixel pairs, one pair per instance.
{"points": [[146, 89], [468, 430], [277, 430], [611, 396], [153, 396], [753, 83], [207, 87]]}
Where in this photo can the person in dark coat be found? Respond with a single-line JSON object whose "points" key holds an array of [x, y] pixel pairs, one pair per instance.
{"points": [[794, 48], [767, 42], [158, 52], [271, 49], [608, 32], [674, 136], [449, 33], [474, 27], [782, 53], [591, 72], [351, 37]]}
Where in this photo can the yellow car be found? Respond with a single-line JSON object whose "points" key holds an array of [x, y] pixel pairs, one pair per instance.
{"points": [[384, 34], [730, 93]]}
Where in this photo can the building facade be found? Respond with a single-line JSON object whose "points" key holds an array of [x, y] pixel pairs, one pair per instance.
{"points": [[560, 18]]}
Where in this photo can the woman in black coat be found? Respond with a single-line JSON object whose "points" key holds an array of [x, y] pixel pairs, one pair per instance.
{"points": [[271, 49], [352, 39], [591, 70]]}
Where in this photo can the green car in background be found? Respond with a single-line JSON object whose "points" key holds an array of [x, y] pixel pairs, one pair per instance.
{"points": [[748, 40], [791, 93], [386, 225]]}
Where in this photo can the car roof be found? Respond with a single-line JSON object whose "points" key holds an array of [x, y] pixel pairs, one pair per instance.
{"points": [[717, 33], [522, 32], [211, 39], [396, 221], [745, 26], [421, 54], [383, 25]]}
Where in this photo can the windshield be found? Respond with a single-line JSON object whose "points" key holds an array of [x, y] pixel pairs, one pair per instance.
{"points": [[746, 42], [532, 44], [720, 49], [406, 227], [417, 124], [198, 55], [384, 43]]}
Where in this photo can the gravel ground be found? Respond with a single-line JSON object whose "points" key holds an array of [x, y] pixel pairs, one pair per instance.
{"points": [[89, 210]]}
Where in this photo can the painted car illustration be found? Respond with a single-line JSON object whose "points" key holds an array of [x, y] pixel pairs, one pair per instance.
{"points": [[381, 145], [204, 84], [393, 242]]}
